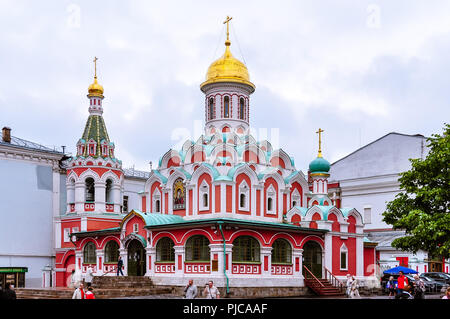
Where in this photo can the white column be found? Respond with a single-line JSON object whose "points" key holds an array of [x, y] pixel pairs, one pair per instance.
{"points": [[217, 249], [70, 196], [100, 254], [179, 269], [150, 252], [78, 260], [298, 253], [266, 252], [116, 198], [100, 197], [359, 256], [79, 196], [328, 249]]}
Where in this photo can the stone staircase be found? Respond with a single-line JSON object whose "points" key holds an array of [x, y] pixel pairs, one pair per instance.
{"points": [[105, 287], [323, 287]]}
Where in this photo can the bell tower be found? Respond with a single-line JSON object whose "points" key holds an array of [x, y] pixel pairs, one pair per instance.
{"points": [[227, 93]]}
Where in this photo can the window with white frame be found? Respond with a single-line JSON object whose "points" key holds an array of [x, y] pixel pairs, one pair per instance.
{"points": [[156, 201], [66, 235], [271, 200], [75, 229], [203, 196], [367, 214], [244, 196], [344, 257], [295, 198], [135, 228]]}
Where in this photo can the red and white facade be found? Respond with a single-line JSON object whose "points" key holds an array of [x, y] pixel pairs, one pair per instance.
{"points": [[226, 207]]}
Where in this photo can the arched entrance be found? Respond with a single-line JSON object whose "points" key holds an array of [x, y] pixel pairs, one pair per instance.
{"points": [[312, 258], [136, 258], [69, 265]]}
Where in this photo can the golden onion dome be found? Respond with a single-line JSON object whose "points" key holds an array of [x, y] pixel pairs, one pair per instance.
{"points": [[95, 89], [227, 69]]}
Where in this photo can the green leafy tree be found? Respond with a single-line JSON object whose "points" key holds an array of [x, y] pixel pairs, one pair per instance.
{"points": [[422, 208]]}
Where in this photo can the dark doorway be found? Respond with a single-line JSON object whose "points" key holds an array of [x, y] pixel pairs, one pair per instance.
{"points": [[312, 258], [136, 258]]}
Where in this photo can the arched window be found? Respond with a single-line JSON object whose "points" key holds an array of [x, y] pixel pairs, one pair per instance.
{"points": [[108, 187], [281, 251], [90, 189], [205, 200], [271, 200], [270, 204], [203, 196], [244, 196], [226, 106], [157, 206], [242, 201], [89, 255], [197, 248], [241, 109], [246, 249], [111, 252], [211, 108], [165, 250], [344, 257]]}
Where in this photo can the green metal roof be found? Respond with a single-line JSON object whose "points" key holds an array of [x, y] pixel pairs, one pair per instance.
{"points": [[237, 221], [155, 219]]}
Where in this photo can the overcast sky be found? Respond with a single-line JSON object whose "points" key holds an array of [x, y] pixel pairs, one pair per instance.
{"points": [[357, 69]]}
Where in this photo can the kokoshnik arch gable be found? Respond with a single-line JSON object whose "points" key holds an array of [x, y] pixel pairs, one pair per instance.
{"points": [[225, 207]]}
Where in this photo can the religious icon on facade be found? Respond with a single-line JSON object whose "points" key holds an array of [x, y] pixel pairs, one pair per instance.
{"points": [[179, 198]]}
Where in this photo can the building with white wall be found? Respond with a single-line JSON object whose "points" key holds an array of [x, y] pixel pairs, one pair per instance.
{"points": [[368, 179], [31, 188]]}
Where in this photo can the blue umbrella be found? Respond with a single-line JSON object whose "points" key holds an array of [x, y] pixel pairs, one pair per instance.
{"points": [[395, 271]]}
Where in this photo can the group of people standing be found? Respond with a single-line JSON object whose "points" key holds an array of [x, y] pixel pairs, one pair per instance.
{"points": [[210, 291], [77, 283], [405, 289]]}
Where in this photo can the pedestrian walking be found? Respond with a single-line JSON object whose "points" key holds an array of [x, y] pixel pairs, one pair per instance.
{"points": [[211, 291], [349, 285], [354, 293], [447, 294], [90, 293], [8, 293], [119, 266], [390, 285], [402, 285], [89, 276], [190, 291], [79, 292], [419, 288]]}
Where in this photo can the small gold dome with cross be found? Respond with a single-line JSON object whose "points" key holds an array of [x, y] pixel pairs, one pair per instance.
{"points": [[95, 89]]}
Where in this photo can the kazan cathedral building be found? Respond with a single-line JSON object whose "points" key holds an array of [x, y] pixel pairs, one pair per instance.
{"points": [[226, 207]]}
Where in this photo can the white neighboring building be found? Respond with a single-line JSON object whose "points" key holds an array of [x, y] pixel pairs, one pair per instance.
{"points": [[368, 179], [32, 188]]}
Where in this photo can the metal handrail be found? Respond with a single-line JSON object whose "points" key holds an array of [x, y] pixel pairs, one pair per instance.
{"points": [[334, 280], [314, 277]]}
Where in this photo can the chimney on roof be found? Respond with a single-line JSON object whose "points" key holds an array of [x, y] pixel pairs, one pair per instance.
{"points": [[6, 134]]}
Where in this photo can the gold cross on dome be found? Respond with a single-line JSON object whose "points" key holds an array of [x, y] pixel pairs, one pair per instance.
{"points": [[320, 131], [228, 29], [95, 66]]}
